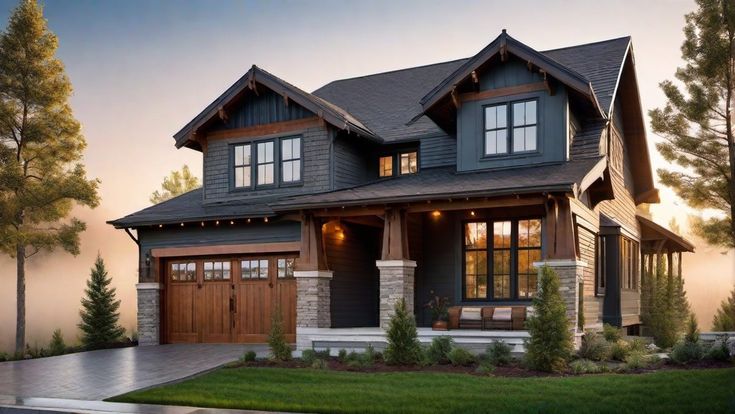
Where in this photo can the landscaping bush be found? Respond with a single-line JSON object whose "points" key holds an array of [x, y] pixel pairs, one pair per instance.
{"points": [[684, 352], [438, 351], [308, 356], [249, 356], [692, 332], [342, 355], [460, 357], [550, 345], [611, 333], [403, 344], [319, 364], [637, 360], [718, 351], [498, 353], [280, 349], [57, 346], [638, 344], [485, 368], [584, 366], [619, 350], [594, 347], [4, 357]]}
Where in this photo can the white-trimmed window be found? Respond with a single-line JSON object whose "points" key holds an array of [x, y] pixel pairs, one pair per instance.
{"points": [[290, 160]]}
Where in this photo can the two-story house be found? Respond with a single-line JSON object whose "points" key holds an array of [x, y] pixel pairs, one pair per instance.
{"points": [[456, 179]]}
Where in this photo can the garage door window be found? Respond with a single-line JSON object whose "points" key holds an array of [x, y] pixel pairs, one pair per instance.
{"points": [[254, 269], [216, 270], [184, 272], [285, 268]]}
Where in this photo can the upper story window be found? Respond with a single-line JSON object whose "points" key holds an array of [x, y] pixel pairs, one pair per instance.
{"points": [[266, 163], [242, 166], [291, 160], [524, 126], [385, 166], [496, 129], [409, 163], [522, 136]]}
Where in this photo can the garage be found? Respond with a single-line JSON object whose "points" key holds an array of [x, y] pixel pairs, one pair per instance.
{"points": [[223, 299]]}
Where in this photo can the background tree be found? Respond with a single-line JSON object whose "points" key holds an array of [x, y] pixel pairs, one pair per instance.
{"points": [[177, 183], [99, 312], [724, 320], [664, 305], [697, 125], [40, 148]]}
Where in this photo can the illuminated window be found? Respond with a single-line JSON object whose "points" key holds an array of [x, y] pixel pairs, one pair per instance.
{"points": [[409, 163], [217, 270], [385, 166]]}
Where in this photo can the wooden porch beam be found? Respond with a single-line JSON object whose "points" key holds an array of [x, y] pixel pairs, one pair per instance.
{"points": [[560, 230], [311, 252], [395, 235], [473, 204]]}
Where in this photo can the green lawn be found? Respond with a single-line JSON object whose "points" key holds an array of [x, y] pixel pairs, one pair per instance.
{"points": [[306, 390]]}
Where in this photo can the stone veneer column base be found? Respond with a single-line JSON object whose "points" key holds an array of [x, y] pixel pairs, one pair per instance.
{"points": [[570, 276], [396, 282], [313, 307], [149, 313]]}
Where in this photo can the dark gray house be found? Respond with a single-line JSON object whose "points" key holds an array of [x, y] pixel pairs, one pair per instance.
{"points": [[456, 179]]}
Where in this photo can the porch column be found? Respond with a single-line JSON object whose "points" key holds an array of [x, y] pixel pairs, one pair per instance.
{"points": [[396, 269], [149, 313], [313, 291]]}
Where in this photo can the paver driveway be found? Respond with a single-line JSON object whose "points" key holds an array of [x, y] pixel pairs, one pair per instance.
{"points": [[97, 375]]}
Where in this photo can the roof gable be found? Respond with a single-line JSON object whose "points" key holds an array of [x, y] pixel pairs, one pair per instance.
{"points": [[249, 83]]}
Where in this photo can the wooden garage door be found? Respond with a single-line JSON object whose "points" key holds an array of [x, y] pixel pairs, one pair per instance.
{"points": [[229, 299]]}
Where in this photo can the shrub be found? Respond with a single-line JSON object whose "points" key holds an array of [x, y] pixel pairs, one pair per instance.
{"points": [[460, 357], [57, 346], [638, 344], [249, 356], [611, 333], [280, 350], [498, 353], [619, 350], [342, 355], [4, 357], [319, 364], [403, 344], [550, 345], [485, 368], [684, 352], [584, 366], [309, 356], [718, 351], [692, 333], [438, 351], [637, 360], [594, 347]]}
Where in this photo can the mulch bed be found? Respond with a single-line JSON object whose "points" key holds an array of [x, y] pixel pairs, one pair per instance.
{"points": [[514, 370]]}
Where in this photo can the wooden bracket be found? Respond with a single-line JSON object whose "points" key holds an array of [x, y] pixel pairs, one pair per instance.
{"points": [[475, 80], [455, 98], [222, 114], [395, 235]]}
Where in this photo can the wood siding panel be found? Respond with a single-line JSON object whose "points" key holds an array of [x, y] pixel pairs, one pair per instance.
{"points": [[592, 303], [438, 151], [354, 285], [265, 108], [215, 318], [354, 162], [181, 312]]}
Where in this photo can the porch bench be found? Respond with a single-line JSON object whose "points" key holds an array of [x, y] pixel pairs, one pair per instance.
{"points": [[481, 317]]}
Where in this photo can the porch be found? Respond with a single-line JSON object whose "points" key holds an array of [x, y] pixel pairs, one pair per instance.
{"points": [[357, 339]]}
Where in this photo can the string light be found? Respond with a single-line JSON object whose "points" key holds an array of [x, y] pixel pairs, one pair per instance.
{"points": [[182, 224], [265, 219], [472, 213], [232, 222], [436, 213], [216, 223]]}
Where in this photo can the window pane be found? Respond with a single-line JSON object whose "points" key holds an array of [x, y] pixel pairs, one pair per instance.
{"points": [[281, 268], [296, 170], [239, 155], [501, 286], [519, 139], [286, 149], [491, 146], [191, 271], [245, 268], [385, 167], [226, 270], [409, 163], [491, 117], [502, 116], [475, 235], [208, 271], [287, 172], [530, 134], [530, 112], [519, 113], [475, 274], [502, 141], [501, 234], [265, 174], [296, 147], [263, 269], [265, 152], [254, 272]]}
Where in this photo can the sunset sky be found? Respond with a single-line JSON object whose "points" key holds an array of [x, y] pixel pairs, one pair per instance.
{"points": [[141, 70]]}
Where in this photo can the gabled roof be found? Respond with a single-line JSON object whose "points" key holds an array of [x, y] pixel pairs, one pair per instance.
{"points": [[502, 45], [328, 111]]}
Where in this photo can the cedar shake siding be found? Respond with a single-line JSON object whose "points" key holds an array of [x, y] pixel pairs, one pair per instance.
{"points": [[438, 151]]}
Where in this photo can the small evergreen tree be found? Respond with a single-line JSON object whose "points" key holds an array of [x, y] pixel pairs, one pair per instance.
{"points": [[692, 334], [724, 320], [57, 346], [403, 343], [664, 307], [280, 349], [99, 312], [550, 345]]}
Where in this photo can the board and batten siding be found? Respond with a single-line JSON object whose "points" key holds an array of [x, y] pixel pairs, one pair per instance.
{"points": [[265, 108], [315, 159], [437, 151], [552, 125]]}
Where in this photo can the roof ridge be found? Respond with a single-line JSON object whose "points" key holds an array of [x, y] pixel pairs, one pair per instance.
{"points": [[391, 71], [586, 44]]}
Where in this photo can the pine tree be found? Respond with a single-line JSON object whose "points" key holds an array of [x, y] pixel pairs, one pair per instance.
{"points": [[664, 305], [724, 320], [177, 183], [697, 123], [41, 148], [550, 345], [403, 343], [99, 311], [57, 346]]}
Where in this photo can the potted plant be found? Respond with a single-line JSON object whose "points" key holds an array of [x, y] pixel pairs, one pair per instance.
{"points": [[439, 307]]}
